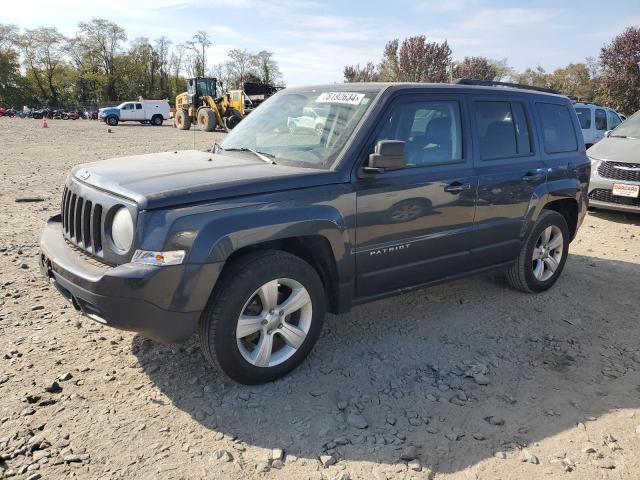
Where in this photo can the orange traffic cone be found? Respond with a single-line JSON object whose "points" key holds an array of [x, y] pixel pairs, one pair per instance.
{"points": [[174, 124], [44, 123]]}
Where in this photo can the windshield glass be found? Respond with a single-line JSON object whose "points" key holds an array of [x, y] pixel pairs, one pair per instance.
{"points": [[584, 115], [302, 127], [629, 128]]}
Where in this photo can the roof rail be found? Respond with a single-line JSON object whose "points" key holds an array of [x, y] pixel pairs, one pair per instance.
{"points": [[492, 83]]}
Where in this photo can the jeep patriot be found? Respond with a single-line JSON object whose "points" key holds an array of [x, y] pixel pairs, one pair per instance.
{"points": [[402, 186]]}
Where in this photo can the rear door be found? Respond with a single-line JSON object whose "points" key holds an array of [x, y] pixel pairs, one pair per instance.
{"points": [[509, 169], [415, 225]]}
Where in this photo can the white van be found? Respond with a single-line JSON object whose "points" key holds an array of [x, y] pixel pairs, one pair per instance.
{"points": [[595, 121], [143, 111]]}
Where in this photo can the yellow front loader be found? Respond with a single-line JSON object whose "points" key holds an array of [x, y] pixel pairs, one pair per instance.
{"points": [[200, 104]]}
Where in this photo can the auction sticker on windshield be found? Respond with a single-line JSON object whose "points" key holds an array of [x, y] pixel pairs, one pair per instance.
{"points": [[349, 98]]}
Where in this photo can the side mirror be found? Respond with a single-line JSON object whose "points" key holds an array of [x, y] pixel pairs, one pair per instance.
{"points": [[388, 155]]}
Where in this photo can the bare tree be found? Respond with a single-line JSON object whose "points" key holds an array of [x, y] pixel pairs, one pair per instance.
{"points": [[162, 45], [239, 65], [266, 68], [199, 44]]}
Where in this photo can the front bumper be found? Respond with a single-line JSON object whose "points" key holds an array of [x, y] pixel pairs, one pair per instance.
{"points": [[601, 196], [161, 303]]}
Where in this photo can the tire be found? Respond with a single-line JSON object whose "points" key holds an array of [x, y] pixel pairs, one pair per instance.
{"points": [[183, 120], [237, 294], [206, 119], [157, 120], [523, 274], [233, 120], [112, 120]]}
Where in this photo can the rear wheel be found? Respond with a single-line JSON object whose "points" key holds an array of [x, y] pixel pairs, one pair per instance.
{"points": [[157, 120], [264, 318], [183, 120], [206, 120], [543, 254]]}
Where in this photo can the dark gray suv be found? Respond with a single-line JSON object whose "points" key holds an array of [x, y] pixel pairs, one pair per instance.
{"points": [[396, 187]]}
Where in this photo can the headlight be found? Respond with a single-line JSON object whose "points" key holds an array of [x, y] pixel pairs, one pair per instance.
{"points": [[595, 163], [122, 229], [174, 257]]}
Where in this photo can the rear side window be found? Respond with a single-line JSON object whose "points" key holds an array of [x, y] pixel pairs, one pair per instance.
{"points": [[584, 115], [601, 119], [503, 130], [557, 128]]}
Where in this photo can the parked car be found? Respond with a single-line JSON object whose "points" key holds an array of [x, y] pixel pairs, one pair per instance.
{"points": [[615, 168], [311, 121], [144, 111], [250, 243], [595, 121]]}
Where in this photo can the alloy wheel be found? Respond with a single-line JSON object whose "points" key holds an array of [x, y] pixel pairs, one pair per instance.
{"points": [[547, 253], [274, 322]]}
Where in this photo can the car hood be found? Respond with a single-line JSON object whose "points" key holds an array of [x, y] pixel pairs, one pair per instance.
{"points": [[159, 180], [616, 149]]}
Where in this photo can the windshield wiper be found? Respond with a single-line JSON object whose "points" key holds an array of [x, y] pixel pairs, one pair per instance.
{"points": [[261, 155]]}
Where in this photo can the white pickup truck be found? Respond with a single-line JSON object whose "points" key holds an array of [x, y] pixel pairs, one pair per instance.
{"points": [[143, 111]]}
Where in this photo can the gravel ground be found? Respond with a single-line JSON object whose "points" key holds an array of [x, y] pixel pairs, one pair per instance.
{"points": [[469, 380]]}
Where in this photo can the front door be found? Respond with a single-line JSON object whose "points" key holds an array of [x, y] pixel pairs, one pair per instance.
{"points": [[509, 169], [127, 112], [414, 225]]}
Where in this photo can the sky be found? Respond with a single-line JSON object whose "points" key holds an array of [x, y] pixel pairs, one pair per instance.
{"points": [[312, 40]]}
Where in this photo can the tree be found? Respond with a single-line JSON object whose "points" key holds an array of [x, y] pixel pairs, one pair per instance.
{"points": [[388, 69], [420, 61], [162, 46], [266, 68], [43, 50], [356, 73], [199, 44], [536, 77], [619, 82], [476, 68], [104, 39], [575, 81], [239, 65], [13, 89]]}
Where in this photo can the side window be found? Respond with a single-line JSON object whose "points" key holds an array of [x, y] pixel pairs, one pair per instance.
{"points": [[503, 129], [614, 120], [557, 128], [138, 106], [601, 119], [432, 131], [584, 115]]}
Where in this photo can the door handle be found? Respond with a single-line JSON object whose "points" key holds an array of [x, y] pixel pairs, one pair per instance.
{"points": [[457, 187], [532, 177]]}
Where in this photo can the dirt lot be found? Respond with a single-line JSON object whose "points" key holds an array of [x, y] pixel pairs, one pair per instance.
{"points": [[469, 380]]}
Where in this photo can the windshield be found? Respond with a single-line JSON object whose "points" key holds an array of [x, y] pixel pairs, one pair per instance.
{"points": [[584, 115], [303, 127], [629, 128]]}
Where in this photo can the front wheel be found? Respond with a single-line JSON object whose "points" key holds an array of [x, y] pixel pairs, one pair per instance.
{"points": [[264, 317], [542, 256], [113, 121]]}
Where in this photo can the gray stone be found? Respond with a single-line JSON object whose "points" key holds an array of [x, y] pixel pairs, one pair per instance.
{"points": [[527, 456], [327, 460], [223, 455], [409, 453], [496, 421], [357, 421], [65, 376]]}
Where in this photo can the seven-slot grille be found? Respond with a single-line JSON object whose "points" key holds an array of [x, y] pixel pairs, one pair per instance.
{"points": [[607, 196], [620, 171], [82, 221]]}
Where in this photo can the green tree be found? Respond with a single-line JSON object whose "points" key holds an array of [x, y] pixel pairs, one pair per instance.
{"points": [[476, 68], [575, 81]]}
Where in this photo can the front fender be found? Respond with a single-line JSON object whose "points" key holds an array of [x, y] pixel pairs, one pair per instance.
{"points": [[211, 233]]}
